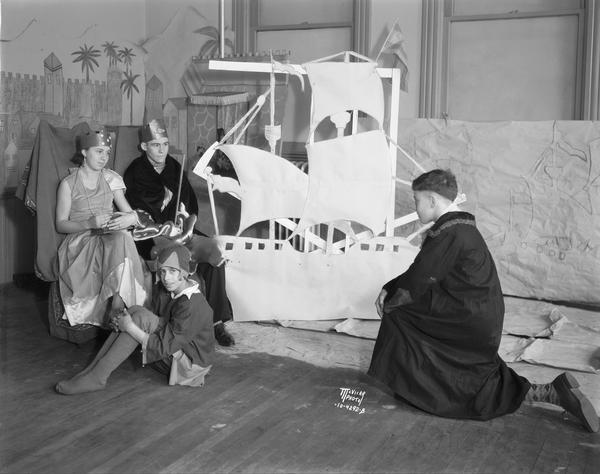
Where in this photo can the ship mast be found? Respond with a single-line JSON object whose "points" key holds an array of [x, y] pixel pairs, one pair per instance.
{"points": [[392, 73]]}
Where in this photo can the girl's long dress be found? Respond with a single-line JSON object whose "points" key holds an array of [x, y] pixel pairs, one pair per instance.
{"points": [[95, 266]]}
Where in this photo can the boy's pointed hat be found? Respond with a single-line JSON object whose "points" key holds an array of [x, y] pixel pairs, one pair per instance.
{"points": [[174, 256], [153, 130]]}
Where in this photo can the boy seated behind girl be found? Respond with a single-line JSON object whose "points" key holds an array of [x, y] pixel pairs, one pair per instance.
{"points": [[177, 336]]}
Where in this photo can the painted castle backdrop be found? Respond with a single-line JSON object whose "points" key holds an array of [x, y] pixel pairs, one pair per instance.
{"points": [[26, 99]]}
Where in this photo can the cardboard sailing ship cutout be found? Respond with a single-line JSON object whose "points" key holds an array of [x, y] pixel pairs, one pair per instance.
{"points": [[338, 246]]}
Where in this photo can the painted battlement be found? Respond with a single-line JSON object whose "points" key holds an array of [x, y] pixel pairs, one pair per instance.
{"points": [[78, 82], [73, 99], [9, 78]]}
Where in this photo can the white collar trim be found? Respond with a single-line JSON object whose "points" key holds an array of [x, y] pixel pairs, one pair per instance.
{"points": [[453, 207], [189, 291]]}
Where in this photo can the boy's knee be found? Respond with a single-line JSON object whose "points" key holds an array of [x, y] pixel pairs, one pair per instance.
{"points": [[143, 318]]}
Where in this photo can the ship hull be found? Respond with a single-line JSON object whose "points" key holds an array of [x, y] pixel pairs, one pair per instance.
{"points": [[269, 280]]}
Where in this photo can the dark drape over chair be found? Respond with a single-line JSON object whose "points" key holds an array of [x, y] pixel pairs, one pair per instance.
{"points": [[51, 157]]}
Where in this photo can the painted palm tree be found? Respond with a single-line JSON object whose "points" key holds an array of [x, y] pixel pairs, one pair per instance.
{"points": [[127, 88], [126, 55], [212, 45], [110, 50], [87, 57]]}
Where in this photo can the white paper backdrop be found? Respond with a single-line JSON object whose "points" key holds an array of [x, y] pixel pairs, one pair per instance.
{"points": [[534, 188]]}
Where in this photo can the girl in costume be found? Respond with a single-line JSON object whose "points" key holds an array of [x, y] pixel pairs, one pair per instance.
{"points": [[97, 260]]}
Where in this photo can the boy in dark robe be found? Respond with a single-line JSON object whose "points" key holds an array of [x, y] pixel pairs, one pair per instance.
{"points": [[437, 346], [152, 182], [177, 338]]}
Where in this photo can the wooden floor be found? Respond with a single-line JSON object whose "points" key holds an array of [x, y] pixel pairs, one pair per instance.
{"points": [[257, 413]]}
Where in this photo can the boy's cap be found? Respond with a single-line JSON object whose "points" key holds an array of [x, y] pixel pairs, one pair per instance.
{"points": [[153, 131], [175, 256], [95, 138]]}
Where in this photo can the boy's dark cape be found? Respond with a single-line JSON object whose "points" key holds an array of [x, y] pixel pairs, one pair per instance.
{"points": [[146, 188], [439, 352]]}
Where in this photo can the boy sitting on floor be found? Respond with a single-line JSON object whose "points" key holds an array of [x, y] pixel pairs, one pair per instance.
{"points": [[177, 338]]}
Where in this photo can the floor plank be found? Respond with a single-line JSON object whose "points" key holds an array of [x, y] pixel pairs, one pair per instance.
{"points": [[257, 413]]}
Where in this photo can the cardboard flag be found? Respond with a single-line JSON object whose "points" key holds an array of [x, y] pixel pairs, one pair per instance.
{"points": [[394, 44]]}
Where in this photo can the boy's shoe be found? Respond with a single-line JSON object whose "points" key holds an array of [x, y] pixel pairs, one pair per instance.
{"points": [[223, 337], [575, 402]]}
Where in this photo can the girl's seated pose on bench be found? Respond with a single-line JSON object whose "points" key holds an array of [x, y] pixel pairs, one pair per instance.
{"points": [[97, 259]]}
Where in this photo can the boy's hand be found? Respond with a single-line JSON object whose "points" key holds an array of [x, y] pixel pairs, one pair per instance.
{"points": [[124, 322], [113, 323], [379, 302], [400, 297], [114, 319]]}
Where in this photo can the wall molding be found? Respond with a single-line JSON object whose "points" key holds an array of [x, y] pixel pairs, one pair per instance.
{"points": [[362, 26], [432, 55], [591, 83], [240, 23]]}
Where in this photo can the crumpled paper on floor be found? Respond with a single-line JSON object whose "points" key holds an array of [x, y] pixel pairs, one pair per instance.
{"points": [[562, 343], [534, 331]]}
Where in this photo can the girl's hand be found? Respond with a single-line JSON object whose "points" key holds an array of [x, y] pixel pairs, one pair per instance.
{"points": [[96, 222], [121, 220]]}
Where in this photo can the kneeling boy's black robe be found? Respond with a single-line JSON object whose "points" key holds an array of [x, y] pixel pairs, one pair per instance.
{"points": [[440, 352]]}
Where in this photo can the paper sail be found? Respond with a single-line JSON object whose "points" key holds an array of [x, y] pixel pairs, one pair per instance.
{"points": [[270, 186], [349, 179], [339, 87]]}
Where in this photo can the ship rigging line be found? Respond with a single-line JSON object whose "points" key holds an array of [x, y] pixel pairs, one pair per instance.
{"points": [[260, 101], [405, 153]]}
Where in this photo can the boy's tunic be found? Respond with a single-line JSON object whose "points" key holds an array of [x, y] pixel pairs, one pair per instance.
{"points": [[186, 324], [146, 188], [440, 352]]}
